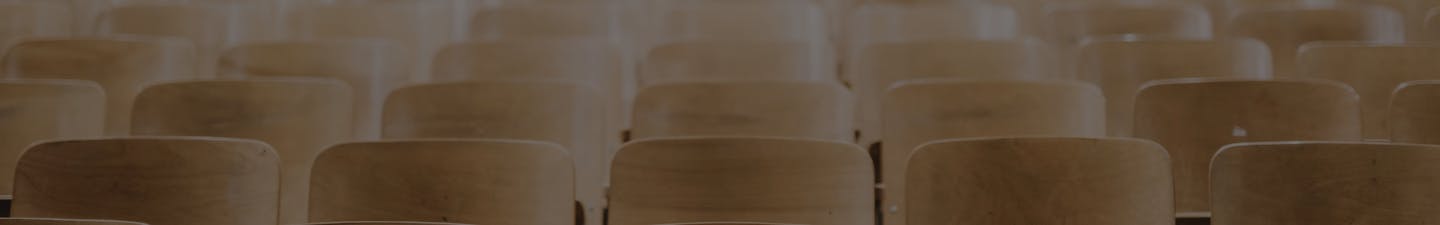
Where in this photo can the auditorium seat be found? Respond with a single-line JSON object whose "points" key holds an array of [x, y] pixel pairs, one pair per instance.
{"points": [[122, 66], [38, 110], [371, 68], [738, 60], [819, 110], [299, 117], [921, 111], [154, 180], [878, 67], [1374, 70], [209, 26], [1285, 27], [1071, 23], [1119, 66], [564, 113], [1413, 111], [458, 181], [420, 26], [56, 221], [1326, 183], [779, 180], [35, 19], [1194, 117], [1040, 180]]}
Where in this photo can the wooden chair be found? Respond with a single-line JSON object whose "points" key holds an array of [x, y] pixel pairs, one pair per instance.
{"points": [[1194, 117], [1040, 180], [300, 117], [886, 22], [122, 66], [35, 19], [741, 178], [594, 20], [154, 180], [37, 110], [372, 68], [878, 67], [460, 181], [54, 221], [565, 113], [918, 112], [1070, 24], [716, 20], [1374, 70], [1325, 183], [209, 26], [819, 110], [711, 61], [1285, 27], [1120, 66], [1411, 113]]}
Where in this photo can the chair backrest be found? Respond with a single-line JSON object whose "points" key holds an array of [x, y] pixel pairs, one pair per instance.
{"points": [[922, 111], [1412, 113], [1040, 180], [298, 117], [37, 110], [1374, 70], [1120, 66], [1193, 118], [460, 181], [758, 60], [600, 20], [878, 67], [873, 23], [1325, 183], [35, 18], [741, 178], [371, 68], [1285, 27], [820, 110], [154, 180], [671, 21], [564, 113], [122, 66], [57, 221], [1069, 24]]}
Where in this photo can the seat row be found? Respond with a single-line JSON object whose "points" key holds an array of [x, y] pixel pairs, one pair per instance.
{"points": [[194, 180]]}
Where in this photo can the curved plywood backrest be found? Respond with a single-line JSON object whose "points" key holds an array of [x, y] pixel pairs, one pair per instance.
{"points": [[1412, 113], [1071, 24], [728, 20], [37, 110], [918, 112], [122, 66], [741, 178], [299, 117], [1285, 27], [1374, 70], [564, 113], [708, 61], [155, 180], [460, 181], [35, 19], [1040, 180], [820, 110], [1120, 66], [596, 20], [1325, 183], [880, 66], [1193, 118], [371, 68], [55, 221]]}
